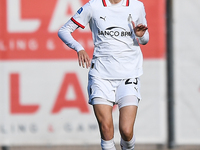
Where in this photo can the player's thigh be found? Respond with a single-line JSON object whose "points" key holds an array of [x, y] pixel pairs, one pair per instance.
{"points": [[127, 116], [103, 113], [126, 121]]}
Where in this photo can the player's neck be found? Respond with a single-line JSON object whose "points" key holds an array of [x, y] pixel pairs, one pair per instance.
{"points": [[114, 1]]}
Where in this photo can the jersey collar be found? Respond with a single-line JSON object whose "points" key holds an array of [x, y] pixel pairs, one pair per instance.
{"points": [[106, 3]]}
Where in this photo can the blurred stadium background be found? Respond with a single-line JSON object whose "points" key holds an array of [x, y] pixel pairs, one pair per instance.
{"points": [[43, 97]]}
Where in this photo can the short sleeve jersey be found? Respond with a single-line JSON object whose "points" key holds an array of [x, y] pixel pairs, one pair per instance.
{"points": [[117, 54]]}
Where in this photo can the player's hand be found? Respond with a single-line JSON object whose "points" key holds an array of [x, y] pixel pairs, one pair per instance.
{"points": [[139, 29], [83, 59]]}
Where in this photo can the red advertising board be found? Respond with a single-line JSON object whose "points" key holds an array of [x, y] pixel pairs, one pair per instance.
{"points": [[28, 29]]}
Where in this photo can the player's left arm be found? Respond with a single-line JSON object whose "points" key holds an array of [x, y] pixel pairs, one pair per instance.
{"points": [[140, 28]]}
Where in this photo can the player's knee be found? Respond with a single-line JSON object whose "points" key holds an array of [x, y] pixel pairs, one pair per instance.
{"points": [[126, 133], [106, 126], [107, 131]]}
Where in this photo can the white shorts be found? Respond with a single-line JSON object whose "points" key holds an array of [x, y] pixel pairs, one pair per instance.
{"points": [[112, 91]]}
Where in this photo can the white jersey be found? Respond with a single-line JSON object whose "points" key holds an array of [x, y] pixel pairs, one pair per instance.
{"points": [[117, 54]]}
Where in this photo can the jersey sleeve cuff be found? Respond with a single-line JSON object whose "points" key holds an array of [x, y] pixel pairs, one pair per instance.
{"points": [[79, 48]]}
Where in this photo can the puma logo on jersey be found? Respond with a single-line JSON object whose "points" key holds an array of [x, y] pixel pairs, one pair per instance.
{"points": [[136, 89], [104, 18]]}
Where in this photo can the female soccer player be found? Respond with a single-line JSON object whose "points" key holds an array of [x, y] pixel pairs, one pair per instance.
{"points": [[118, 26]]}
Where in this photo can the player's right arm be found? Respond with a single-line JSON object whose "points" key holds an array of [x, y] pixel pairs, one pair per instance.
{"points": [[80, 19], [64, 34]]}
